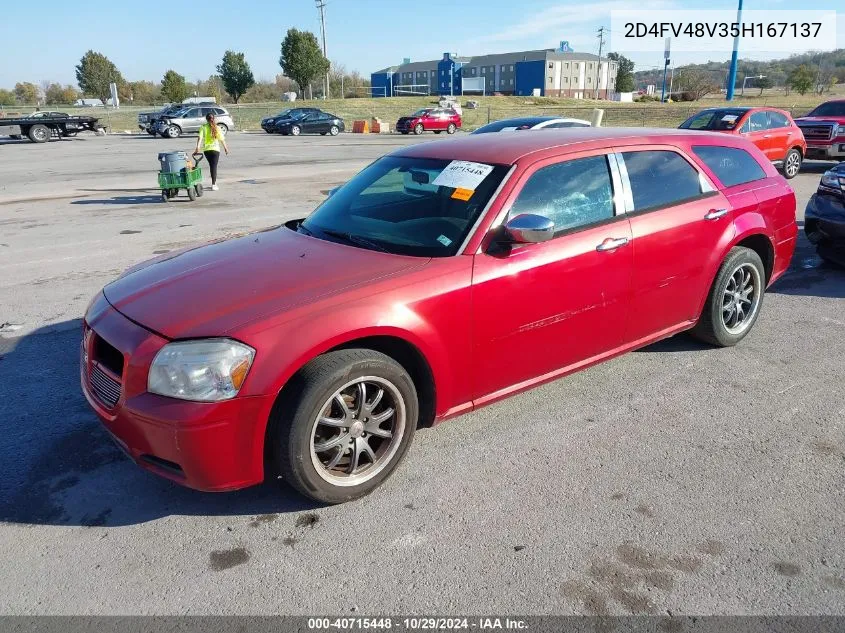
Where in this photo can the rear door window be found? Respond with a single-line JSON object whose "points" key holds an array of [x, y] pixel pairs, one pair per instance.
{"points": [[777, 120], [731, 165], [759, 121], [660, 178]]}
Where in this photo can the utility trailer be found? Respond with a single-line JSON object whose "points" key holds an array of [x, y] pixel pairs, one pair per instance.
{"points": [[40, 129]]}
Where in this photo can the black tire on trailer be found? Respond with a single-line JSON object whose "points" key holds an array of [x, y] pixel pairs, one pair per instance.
{"points": [[39, 133]]}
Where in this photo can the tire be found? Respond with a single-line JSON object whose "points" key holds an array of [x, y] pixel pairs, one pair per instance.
{"points": [[405, 133], [792, 164], [437, 131], [164, 196], [323, 133], [198, 189], [713, 326], [451, 129], [151, 132], [294, 130], [173, 131], [334, 130], [39, 133], [419, 129], [172, 193], [192, 193], [315, 393], [223, 128]]}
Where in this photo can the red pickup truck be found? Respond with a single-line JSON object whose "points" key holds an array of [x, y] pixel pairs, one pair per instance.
{"points": [[824, 131]]}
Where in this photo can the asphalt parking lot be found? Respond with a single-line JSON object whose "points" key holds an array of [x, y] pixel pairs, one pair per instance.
{"points": [[679, 478]]}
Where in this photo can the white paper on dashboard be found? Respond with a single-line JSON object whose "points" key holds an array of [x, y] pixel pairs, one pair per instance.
{"points": [[462, 174]]}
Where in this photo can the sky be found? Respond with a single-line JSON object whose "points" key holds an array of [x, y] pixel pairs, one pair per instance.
{"points": [[145, 40]]}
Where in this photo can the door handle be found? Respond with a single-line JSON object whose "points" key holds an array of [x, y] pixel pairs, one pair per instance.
{"points": [[611, 244], [715, 214], [767, 135]]}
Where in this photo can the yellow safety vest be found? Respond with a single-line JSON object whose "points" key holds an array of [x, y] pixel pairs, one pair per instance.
{"points": [[207, 142]]}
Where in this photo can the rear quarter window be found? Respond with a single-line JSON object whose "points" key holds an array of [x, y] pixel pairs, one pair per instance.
{"points": [[731, 165], [660, 178]]}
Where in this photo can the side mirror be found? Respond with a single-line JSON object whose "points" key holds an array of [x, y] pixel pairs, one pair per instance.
{"points": [[528, 228]]}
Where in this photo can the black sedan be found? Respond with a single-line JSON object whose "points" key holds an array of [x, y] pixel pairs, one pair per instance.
{"points": [[317, 122], [268, 124], [824, 218]]}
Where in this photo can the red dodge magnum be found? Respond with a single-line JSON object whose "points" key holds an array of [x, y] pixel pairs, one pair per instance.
{"points": [[443, 277]]}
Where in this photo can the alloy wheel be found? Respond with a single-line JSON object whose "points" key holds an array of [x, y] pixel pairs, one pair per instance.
{"points": [[358, 431], [741, 298], [793, 163]]}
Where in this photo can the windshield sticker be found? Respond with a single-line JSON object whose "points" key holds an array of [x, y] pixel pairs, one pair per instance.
{"points": [[462, 194], [730, 118], [444, 240], [462, 174]]}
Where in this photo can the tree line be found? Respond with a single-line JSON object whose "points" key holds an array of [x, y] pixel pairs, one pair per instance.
{"points": [[303, 71]]}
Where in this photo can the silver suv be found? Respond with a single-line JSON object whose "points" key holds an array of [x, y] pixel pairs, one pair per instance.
{"points": [[191, 118]]}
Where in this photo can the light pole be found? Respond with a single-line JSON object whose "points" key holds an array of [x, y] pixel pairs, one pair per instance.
{"points": [[729, 95], [321, 5]]}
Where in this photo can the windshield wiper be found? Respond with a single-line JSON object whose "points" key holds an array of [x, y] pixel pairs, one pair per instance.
{"points": [[355, 240]]}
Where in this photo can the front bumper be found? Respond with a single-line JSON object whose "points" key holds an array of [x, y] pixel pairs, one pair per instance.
{"points": [[207, 446], [833, 151]]}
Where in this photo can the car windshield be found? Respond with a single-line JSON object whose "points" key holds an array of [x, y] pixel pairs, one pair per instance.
{"points": [[724, 119], [831, 108], [409, 206]]}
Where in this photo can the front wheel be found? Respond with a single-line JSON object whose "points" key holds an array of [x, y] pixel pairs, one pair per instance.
{"points": [[192, 193], [173, 131], [294, 130], [198, 189], [734, 301], [792, 163], [348, 420], [334, 130], [419, 129]]}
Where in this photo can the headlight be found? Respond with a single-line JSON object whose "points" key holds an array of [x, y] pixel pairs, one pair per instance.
{"points": [[830, 179], [204, 371], [837, 129]]}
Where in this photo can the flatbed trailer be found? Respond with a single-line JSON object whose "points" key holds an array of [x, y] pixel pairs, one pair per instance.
{"points": [[43, 129]]}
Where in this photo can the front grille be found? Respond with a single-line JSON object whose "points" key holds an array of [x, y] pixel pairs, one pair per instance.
{"points": [[106, 388], [817, 132], [108, 356]]}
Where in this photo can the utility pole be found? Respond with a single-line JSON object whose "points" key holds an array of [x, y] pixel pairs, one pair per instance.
{"points": [[321, 5], [598, 66], [729, 95]]}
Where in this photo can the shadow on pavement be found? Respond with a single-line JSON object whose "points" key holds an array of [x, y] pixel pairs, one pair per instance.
{"points": [[148, 199], [59, 467], [809, 275]]}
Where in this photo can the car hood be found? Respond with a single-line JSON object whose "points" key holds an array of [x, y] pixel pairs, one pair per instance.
{"points": [[821, 119], [213, 289]]}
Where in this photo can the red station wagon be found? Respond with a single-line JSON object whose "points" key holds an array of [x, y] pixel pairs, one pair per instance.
{"points": [[442, 278], [773, 131], [430, 120]]}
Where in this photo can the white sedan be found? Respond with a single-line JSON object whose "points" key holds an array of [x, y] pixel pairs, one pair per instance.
{"points": [[531, 123]]}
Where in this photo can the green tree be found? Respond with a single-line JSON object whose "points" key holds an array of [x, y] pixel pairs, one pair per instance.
{"points": [[54, 94], [94, 74], [301, 59], [764, 83], [144, 92], [26, 93], [801, 79], [236, 74], [211, 87], [173, 87], [262, 92], [7, 97], [624, 72]]}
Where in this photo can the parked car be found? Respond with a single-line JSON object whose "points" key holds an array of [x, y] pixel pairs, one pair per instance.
{"points": [[770, 129], [443, 277], [268, 124], [147, 121], [824, 131], [824, 218], [317, 122], [531, 123], [191, 118], [430, 120]]}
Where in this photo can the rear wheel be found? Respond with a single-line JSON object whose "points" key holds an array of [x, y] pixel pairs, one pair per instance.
{"points": [[198, 188], [39, 133], [164, 196], [792, 163], [735, 298], [348, 421], [451, 129], [437, 131], [223, 127], [192, 193]]}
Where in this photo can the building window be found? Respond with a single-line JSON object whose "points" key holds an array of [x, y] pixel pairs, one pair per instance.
{"points": [[550, 80], [551, 65], [483, 71], [566, 65], [510, 69]]}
